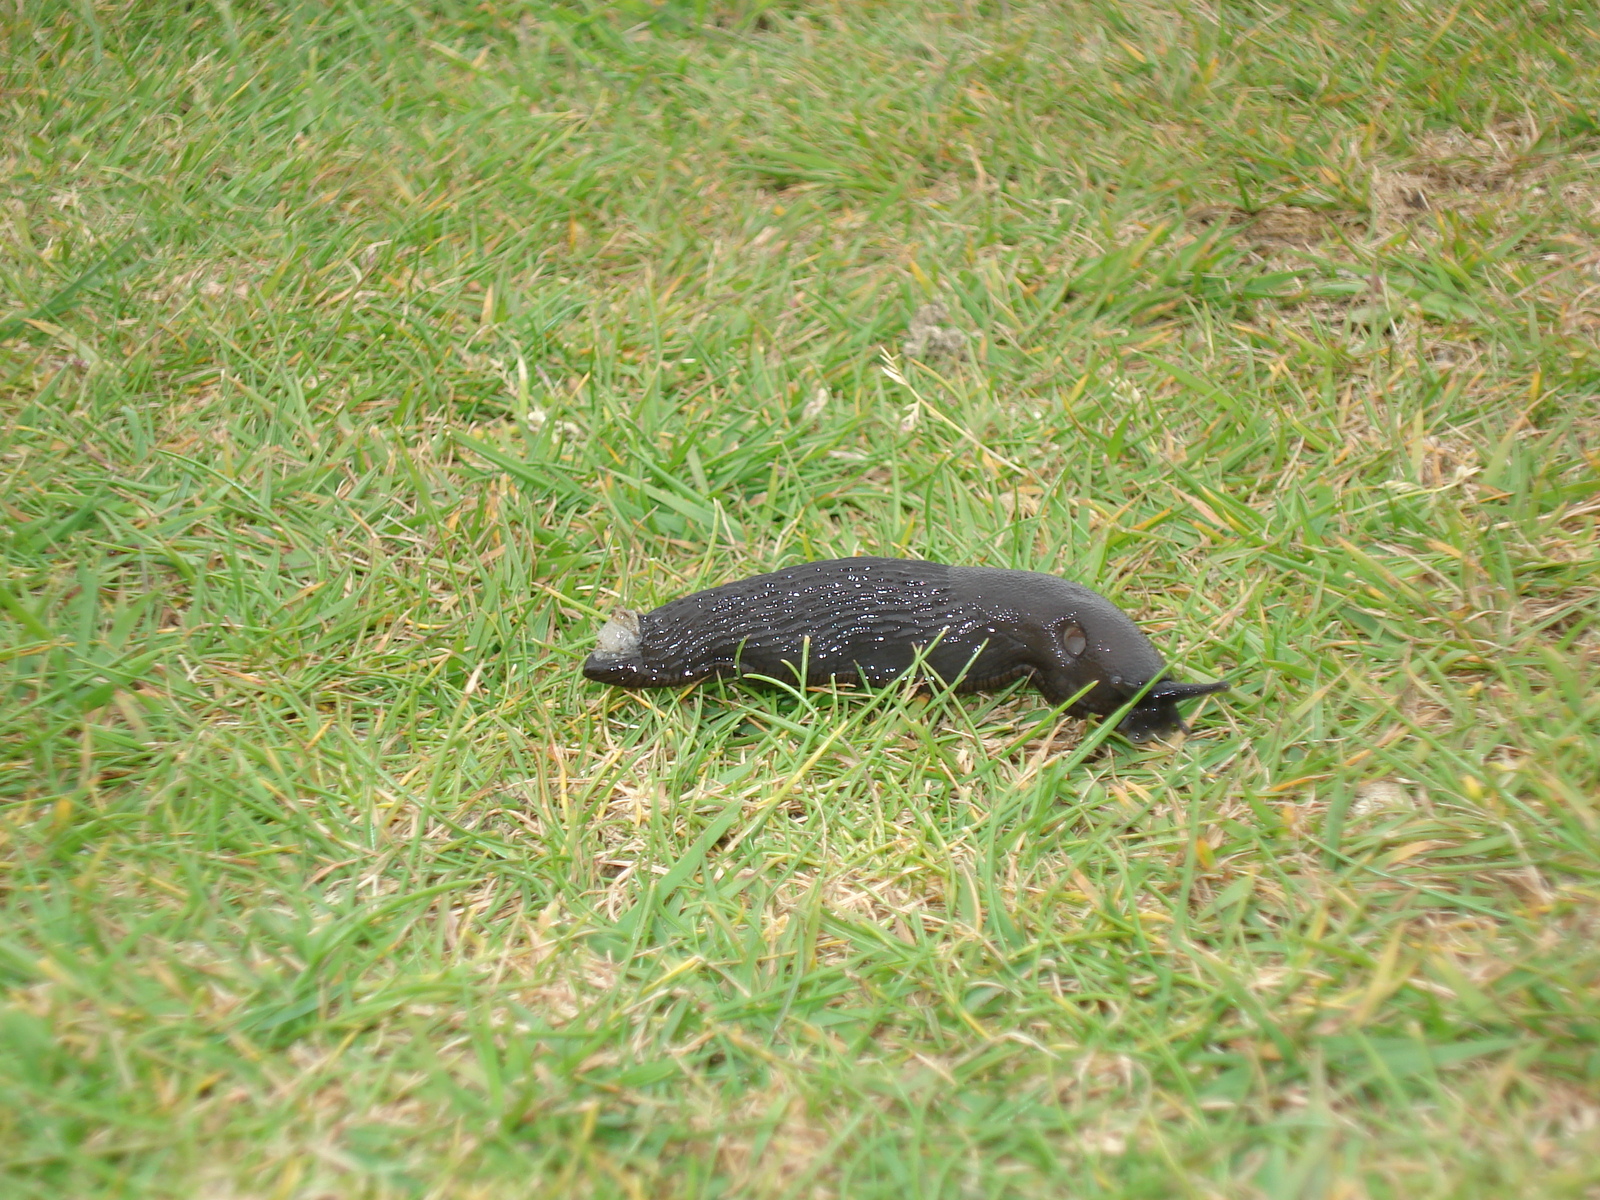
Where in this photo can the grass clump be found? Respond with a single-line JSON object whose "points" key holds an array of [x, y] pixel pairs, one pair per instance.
{"points": [[355, 360]]}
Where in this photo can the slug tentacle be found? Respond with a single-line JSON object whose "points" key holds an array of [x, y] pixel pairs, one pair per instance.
{"points": [[869, 619]]}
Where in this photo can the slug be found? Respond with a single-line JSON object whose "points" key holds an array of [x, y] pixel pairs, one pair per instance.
{"points": [[864, 620]]}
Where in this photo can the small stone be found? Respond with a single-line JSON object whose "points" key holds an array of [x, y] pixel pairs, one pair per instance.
{"points": [[1377, 795], [619, 637], [929, 336]]}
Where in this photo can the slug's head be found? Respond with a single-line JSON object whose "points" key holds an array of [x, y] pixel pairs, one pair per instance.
{"points": [[1109, 652], [1156, 714]]}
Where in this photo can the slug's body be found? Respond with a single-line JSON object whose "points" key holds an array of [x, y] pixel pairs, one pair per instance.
{"points": [[868, 619]]}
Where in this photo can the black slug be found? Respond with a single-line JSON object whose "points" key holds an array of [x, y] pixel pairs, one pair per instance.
{"points": [[865, 620]]}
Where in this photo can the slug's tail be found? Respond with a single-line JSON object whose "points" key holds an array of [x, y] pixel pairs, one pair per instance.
{"points": [[616, 658]]}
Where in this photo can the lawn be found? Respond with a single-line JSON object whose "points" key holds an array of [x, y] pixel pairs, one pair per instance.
{"points": [[357, 359]]}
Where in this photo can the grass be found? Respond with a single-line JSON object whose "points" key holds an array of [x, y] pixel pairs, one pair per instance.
{"points": [[355, 359]]}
